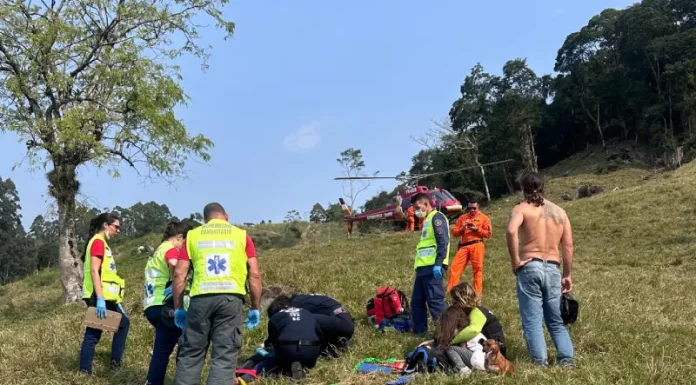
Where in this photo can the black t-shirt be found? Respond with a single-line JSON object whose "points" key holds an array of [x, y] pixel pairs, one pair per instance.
{"points": [[492, 329], [315, 303], [293, 324]]}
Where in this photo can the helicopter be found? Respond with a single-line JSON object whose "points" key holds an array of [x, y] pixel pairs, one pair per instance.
{"points": [[440, 198]]}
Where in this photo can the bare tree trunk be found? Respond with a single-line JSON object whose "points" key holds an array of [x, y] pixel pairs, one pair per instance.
{"points": [[507, 180], [64, 187], [599, 128], [485, 183], [625, 128], [529, 149], [597, 120]]}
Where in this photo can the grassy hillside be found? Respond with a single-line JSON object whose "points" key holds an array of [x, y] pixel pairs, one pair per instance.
{"points": [[634, 275]]}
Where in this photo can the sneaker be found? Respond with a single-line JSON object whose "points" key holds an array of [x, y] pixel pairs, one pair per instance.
{"points": [[465, 371], [297, 371], [567, 363]]}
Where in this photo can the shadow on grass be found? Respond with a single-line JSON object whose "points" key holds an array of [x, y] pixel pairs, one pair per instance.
{"points": [[70, 364]]}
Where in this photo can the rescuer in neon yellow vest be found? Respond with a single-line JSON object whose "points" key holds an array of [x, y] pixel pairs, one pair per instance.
{"points": [[431, 259], [221, 261], [102, 288], [159, 272]]}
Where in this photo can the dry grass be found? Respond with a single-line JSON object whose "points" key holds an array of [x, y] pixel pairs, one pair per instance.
{"points": [[634, 275]]}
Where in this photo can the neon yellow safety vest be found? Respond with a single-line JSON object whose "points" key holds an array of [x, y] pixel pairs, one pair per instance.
{"points": [[217, 251], [112, 285], [426, 250], [156, 276]]}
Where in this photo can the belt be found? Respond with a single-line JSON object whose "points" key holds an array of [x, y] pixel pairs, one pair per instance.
{"points": [[546, 261], [470, 243], [300, 343]]}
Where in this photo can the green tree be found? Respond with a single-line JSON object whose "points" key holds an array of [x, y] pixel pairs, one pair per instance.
{"points": [[318, 214], [17, 254], [150, 217], [44, 233], [292, 216], [91, 83], [334, 212], [353, 166]]}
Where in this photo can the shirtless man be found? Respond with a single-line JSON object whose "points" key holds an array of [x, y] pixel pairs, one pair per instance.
{"points": [[543, 225]]}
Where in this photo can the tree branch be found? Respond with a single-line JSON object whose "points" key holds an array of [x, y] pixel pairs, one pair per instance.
{"points": [[33, 103], [98, 44], [125, 158]]}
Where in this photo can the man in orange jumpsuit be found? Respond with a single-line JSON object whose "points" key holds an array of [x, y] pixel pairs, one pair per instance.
{"points": [[473, 227], [411, 219]]}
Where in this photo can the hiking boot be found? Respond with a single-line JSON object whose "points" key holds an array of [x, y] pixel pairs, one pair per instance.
{"points": [[297, 371]]}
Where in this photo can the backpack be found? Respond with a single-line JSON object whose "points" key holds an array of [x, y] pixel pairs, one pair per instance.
{"points": [[387, 303], [427, 359]]}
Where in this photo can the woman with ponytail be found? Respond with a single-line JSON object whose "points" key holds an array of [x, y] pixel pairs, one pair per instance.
{"points": [[102, 289], [159, 272]]}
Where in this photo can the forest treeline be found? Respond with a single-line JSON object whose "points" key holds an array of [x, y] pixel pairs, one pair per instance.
{"points": [[627, 76], [25, 251]]}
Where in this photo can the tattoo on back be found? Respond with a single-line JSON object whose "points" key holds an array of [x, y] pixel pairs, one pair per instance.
{"points": [[553, 212]]}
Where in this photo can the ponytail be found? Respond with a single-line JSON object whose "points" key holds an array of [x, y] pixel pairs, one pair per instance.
{"points": [[533, 188], [534, 197]]}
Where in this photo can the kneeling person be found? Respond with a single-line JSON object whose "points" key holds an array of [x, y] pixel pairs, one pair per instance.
{"points": [[295, 336], [335, 321]]}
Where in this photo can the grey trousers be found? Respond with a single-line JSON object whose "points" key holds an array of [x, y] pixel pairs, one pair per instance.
{"points": [[213, 318], [460, 357]]}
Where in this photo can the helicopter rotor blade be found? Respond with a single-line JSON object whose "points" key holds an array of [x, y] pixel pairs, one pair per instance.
{"points": [[422, 176], [367, 177]]}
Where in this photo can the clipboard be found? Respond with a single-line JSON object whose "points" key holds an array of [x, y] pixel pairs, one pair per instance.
{"points": [[108, 324]]}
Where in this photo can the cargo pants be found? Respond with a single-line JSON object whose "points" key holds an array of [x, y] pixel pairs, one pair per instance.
{"points": [[216, 319]]}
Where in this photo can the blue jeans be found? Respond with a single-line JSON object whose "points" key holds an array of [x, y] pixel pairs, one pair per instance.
{"points": [[92, 337], [166, 338], [539, 296], [426, 290]]}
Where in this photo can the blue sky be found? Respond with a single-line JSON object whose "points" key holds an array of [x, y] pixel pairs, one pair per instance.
{"points": [[303, 80]]}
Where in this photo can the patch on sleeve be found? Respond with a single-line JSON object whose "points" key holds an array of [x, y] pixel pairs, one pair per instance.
{"points": [[438, 222]]}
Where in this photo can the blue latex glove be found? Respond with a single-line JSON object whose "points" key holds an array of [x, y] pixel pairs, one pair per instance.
{"points": [[122, 311], [168, 291], [265, 353], [437, 272], [101, 308], [180, 317], [253, 318]]}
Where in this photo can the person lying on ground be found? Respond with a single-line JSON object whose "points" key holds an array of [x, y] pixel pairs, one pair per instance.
{"points": [[481, 320], [295, 337], [334, 320]]}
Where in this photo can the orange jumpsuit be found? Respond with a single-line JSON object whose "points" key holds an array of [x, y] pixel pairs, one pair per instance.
{"points": [[411, 219], [471, 249]]}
